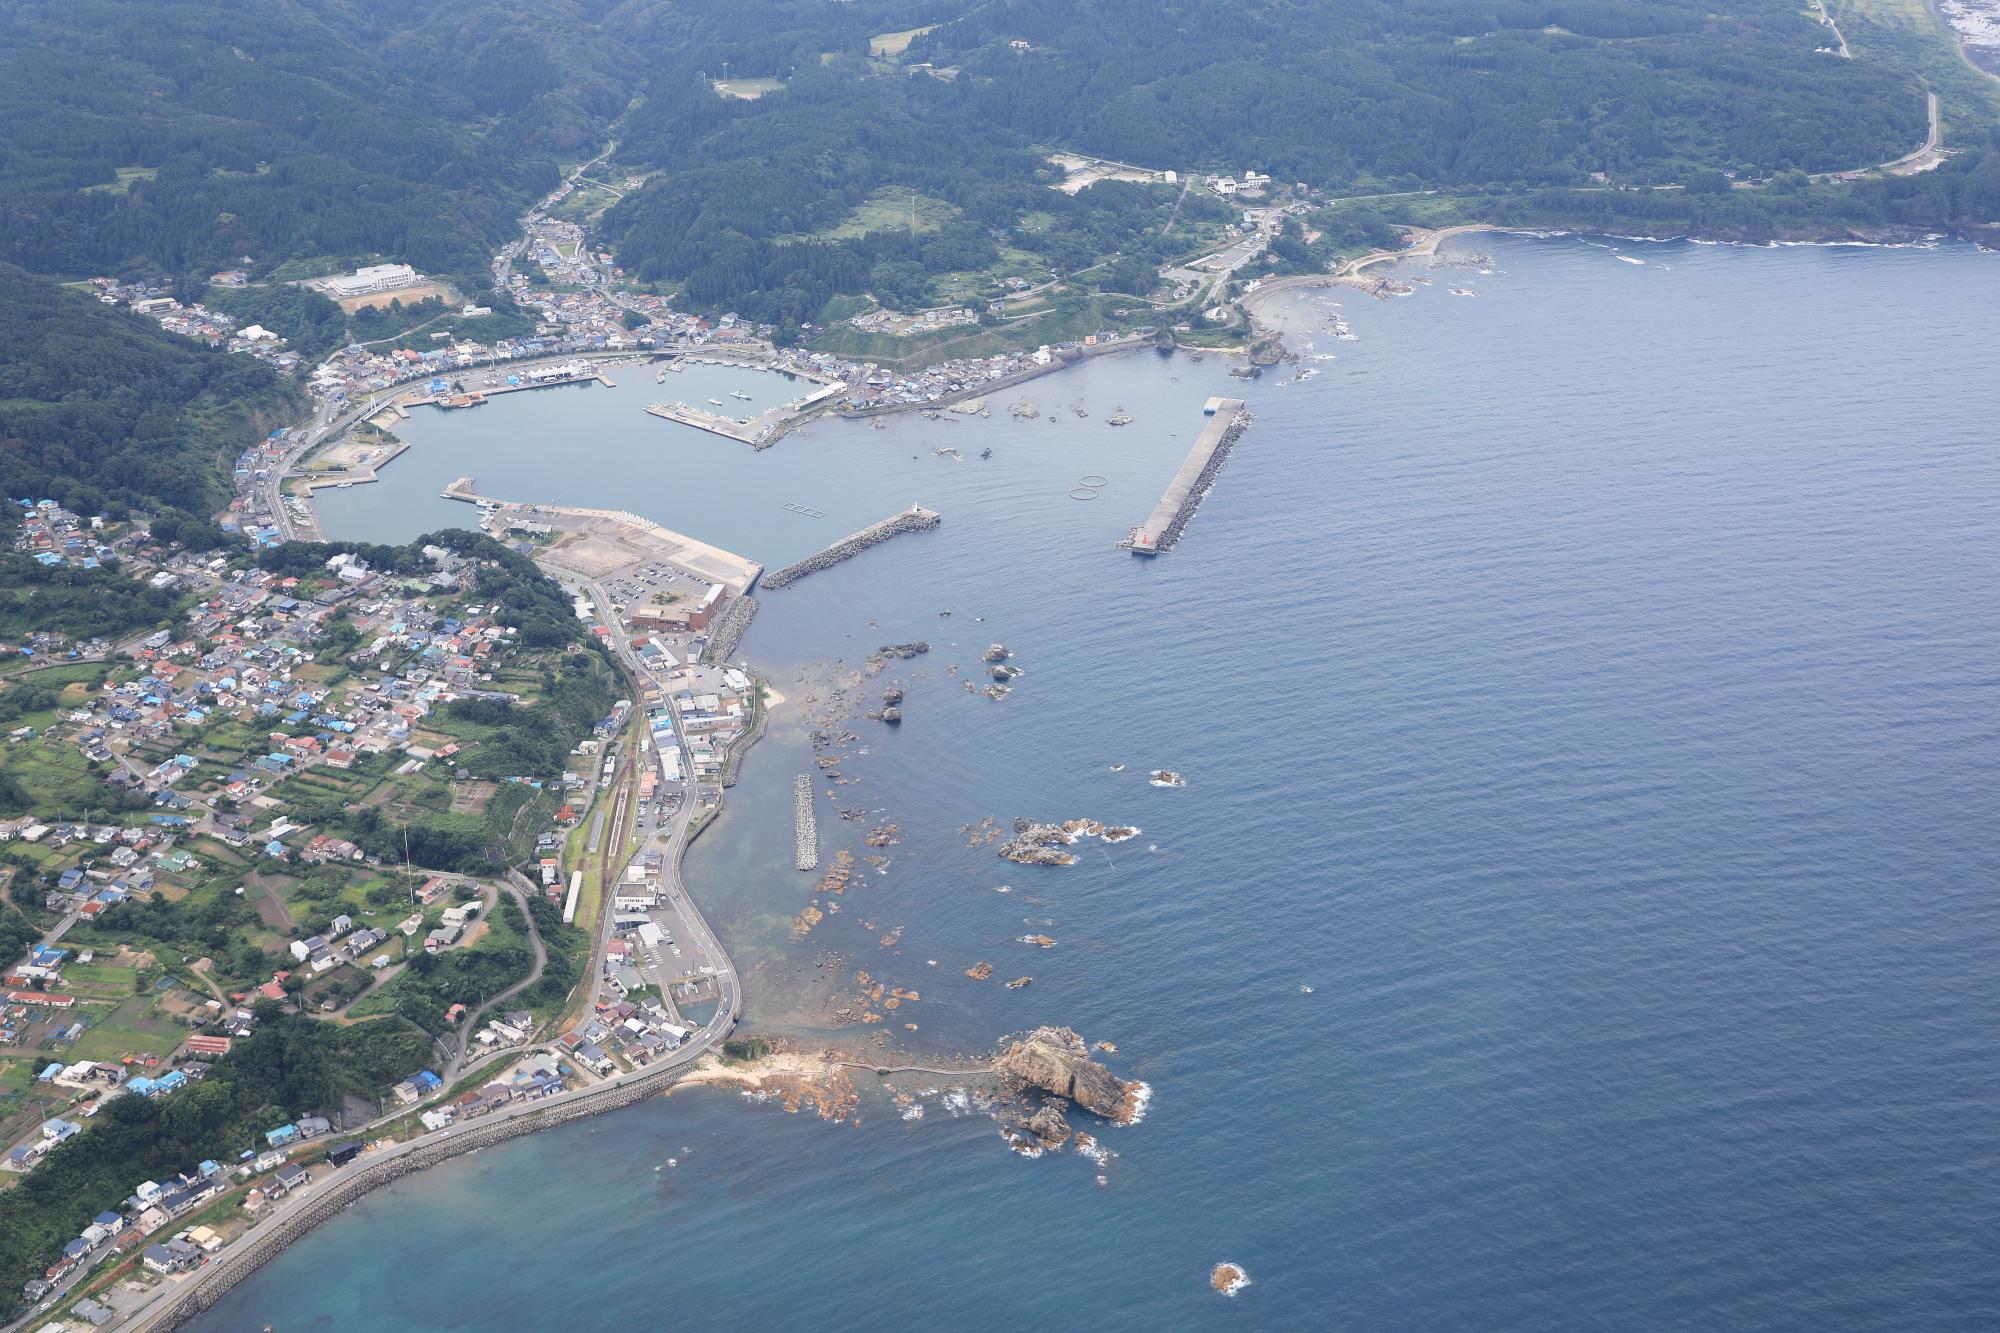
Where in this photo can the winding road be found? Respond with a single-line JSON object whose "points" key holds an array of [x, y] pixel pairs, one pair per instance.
{"points": [[512, 884]]}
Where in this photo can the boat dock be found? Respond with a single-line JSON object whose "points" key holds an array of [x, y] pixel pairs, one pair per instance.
{"points": [[1227, 420], [805, 825], [760, 431], [575, 372], [713, 422], [462, 489], [914, 519]]}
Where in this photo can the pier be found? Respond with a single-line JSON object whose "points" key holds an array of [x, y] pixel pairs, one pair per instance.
{"points": [[914, 519], [712, 422], [462, 489], [805, 825], [765, 428], [1228, 420]]}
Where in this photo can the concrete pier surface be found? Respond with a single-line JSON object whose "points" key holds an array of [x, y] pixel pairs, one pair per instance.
{"points": [[601, 543], [1227, 420], [914, 519]]}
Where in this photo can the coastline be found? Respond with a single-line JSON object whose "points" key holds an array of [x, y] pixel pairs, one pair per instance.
{"points": [[699, 1066], [1427, 242]]}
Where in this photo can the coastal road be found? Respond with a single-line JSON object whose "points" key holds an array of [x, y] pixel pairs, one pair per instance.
{"points": [[1924, 158], [161, 1310], [671, 837], [238, 1260], [160, 1313]]}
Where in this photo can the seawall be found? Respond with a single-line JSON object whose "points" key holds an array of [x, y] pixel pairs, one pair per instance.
{"points": [[263, 1244], [729, 628], [913, 519]]}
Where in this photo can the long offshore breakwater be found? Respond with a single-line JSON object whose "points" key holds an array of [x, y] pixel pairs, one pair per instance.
{"points": [[914, 519], [805, 825], [1228, 420]]}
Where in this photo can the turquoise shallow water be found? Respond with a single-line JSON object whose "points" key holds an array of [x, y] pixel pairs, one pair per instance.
{"points": [[1588, 689]]}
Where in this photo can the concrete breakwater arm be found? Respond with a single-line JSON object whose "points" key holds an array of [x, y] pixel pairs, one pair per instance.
{"points": [[914, 519], [1183, 495]]}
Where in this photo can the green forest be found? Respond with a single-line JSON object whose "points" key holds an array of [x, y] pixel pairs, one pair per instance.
{"points": [[105, 413], [181, 138]]}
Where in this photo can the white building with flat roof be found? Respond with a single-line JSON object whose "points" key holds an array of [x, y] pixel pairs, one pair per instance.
{"points": [[374, 278]]}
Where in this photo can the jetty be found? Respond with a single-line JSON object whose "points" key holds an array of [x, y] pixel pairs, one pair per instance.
{"points": [[914, 519], [466, 489], [805, 825], [1227, 420]]}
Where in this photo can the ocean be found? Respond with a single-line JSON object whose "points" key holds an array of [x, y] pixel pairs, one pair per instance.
{"points": [[1580, 912]]}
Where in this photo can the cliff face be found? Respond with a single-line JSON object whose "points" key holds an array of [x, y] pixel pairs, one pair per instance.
{"points": [[1057, 1061]]}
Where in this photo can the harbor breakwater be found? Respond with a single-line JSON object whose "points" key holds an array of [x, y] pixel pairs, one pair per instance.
{"points": [[1197, 473], [914, 519]]}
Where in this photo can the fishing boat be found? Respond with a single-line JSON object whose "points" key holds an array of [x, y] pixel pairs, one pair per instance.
{"points": [[739, 394]]}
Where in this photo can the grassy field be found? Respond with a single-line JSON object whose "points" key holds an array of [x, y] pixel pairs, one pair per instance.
{"points": [[889, 209], [895, 43], [56, 777], [93, 981], [747, 90], [123, 185], [129, 1029]]}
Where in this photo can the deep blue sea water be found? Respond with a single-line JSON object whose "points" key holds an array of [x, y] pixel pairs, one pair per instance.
{"points": [[1588, 689]]}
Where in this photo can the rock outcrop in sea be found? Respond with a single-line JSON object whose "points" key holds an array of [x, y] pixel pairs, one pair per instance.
{"points": [[1036, 844], [1057, 1061]]}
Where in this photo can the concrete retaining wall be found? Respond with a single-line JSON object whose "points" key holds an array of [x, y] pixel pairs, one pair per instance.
{"points": [[261, 1244]]}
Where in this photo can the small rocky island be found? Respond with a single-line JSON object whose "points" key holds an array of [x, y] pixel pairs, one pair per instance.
{"points": [[1056, 1061]]}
